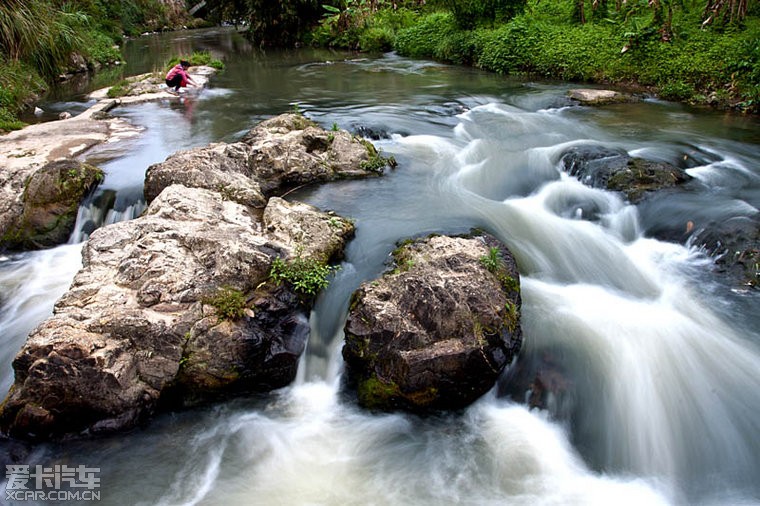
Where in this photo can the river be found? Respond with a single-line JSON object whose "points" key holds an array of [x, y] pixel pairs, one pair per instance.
{"points": [[657, 360]]}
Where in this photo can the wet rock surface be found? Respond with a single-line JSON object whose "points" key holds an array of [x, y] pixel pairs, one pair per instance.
{"points": [[612, 169], [435, 332], [283, 152], [179, 305], [170, 308], [46, 211]]}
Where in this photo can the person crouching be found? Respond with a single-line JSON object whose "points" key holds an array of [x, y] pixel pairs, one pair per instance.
{"points": [[178, 77]]}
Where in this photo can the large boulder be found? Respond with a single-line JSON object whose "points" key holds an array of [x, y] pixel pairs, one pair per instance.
{"points": [[436, 332], [615, 170], [285, 151], [171, 308], [44, 214]]}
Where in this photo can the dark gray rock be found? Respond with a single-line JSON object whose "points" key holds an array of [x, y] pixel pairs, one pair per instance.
{"points": [[612, 169]]}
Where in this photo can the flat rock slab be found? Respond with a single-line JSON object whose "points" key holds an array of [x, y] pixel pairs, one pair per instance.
{"points": [[589, 96]]}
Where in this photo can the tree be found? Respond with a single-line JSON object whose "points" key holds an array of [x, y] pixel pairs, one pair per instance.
{"points": [[471, 13], [731, 11], [281, 23]]}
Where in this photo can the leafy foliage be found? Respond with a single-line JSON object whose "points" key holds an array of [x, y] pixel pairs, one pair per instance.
{"points": [[42, 36], [281, 23], [8, 121], [469, 14], [694, 64], [306, 275], [229, 303], [197, 58]]}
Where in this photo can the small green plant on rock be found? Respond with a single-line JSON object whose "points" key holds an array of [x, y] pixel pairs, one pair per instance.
{"points": [[229, 303], [403, 257], [375, 162], [511, 316], [494, 263], [120, 89], [306, 275]]}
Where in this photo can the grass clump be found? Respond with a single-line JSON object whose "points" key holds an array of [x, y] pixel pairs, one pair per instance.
{"points": [[306, 275], [229, 303], [196, 59], [119, 89], [375, 162], [8, 121], [494, 263]]}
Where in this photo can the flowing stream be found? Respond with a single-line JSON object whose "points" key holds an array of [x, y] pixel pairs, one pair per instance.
{"points": [[656, 361]]}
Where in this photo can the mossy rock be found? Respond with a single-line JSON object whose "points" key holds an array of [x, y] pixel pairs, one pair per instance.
{"points": [[51, 200], [642, 176], [436, 330], [613, 169]]}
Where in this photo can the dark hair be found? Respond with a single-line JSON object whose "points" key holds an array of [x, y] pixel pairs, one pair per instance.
{"points": [[184, 63]]}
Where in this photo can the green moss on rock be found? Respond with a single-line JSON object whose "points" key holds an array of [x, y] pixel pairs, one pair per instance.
{"points": [[51, 200]]}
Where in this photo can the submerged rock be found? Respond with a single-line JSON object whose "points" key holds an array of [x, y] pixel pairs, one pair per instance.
{"points": [[171, 308], [436, 332], [612, 169], [735, 245], [45, 212]]}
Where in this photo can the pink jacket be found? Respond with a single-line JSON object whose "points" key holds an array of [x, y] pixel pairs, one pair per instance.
{"points": [[177, 69]]}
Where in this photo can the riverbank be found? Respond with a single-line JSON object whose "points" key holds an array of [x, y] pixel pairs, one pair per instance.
{"points": [[716, 66]]}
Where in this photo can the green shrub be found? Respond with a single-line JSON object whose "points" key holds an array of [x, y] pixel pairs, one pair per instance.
{"points": [[229, 303], [8, 121], [422, 39], [677, 91], [510, 48], [19, 84], [197, 58], [469, 14], [100, 48], [376, 39], [305, 275]]}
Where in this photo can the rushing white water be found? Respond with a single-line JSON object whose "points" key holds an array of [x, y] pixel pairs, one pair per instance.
{"points": [[655, 391], [317, 450], [31, 283]]}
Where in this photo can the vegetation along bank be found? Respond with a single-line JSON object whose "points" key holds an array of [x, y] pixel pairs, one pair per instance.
{"points": [[698, 51]]}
